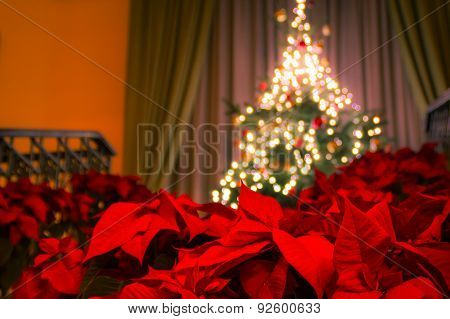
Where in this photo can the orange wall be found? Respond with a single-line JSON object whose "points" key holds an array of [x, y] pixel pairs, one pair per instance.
{"points": [[45, 84]]}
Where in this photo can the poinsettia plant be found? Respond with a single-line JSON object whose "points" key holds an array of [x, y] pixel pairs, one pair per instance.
{"points": [[31, 213], [377, 228]]}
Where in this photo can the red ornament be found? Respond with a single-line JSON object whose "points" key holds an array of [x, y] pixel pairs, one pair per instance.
{"points": [[299, 142], [317, 123], [289, 97], [302, 44], [263, 86]]}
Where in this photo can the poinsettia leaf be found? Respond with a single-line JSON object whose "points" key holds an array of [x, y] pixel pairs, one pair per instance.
{"points": [[439, 256], [167, 209], [14, 235], [49, 245], [323, 183], [263, 279], [194, 223], [263, 208], [417, 288], [98, 286], [118, 224], [353, 280], [360, 241], [311, 256], [40, 259], [416, 214], [216, 255], [8, 215], [434, 232], [166, 281], [218, 225], [139, 243], [31, 286], [37, 205], [340, 294], [123, 187], [64, 280], [245, 231], [219, 209], [414, 261], [141, 291], [215, 285], [380, 213], [28, 226], [73, 258]]}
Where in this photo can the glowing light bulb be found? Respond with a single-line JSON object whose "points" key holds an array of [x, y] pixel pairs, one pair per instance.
{"points": [[376, 120], [358, 133]]}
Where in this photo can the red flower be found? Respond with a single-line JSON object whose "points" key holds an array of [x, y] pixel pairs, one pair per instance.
{"points": [[20, 224], [110, 188], [61, 264], [32, 286], [173, 284], [264, 279]]}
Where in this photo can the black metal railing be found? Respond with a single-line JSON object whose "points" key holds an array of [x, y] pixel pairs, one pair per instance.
{"points": [[438, 122], [52, 155]]}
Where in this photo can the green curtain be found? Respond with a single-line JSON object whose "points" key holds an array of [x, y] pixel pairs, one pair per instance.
{"points": [[167, 47], [424, 46]]}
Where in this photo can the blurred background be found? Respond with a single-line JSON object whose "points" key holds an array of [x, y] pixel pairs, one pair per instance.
{"points": [[107, 65]]}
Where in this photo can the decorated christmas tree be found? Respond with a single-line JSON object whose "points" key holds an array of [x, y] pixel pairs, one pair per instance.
{"points": [[302, 121]]}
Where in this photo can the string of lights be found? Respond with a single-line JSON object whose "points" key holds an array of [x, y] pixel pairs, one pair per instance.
{"points": [[302, 121]]}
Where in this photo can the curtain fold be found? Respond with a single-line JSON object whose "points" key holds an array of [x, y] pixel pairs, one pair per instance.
{"points": [[244, 47], [168, 41], [424, 46]]}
